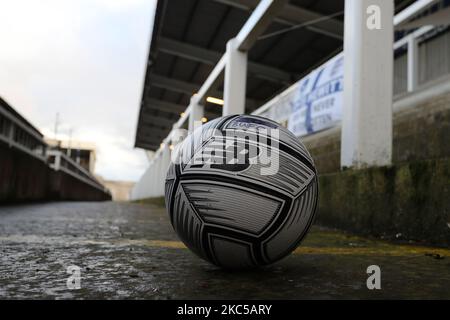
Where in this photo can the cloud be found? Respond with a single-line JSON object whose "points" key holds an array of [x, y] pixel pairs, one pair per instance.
{"points": [[83, 59]]}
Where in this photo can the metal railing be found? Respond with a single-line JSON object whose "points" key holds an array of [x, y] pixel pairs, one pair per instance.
{"points": [[410, 42], [59, 161], [19, 135], [407, 67], [415, 58]]}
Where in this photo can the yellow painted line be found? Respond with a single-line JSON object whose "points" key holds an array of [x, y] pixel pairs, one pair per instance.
{"points": [[389, 250], [158, 243], [380, 249], [397, 251]]}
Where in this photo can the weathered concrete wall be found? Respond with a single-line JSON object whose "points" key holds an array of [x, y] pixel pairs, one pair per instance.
{"points": [[120, 190], [407, 201], [421, 132], [65, 187], [22, 177], [25, 178]]}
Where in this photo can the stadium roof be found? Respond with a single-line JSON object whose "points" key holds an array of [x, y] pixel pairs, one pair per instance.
{"points": [[190, 36]]}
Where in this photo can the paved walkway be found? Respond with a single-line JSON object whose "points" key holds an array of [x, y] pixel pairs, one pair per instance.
{"points": [[130, 251]]}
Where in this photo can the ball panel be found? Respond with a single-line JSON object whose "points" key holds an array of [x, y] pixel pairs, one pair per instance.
{"points": [[230, 213], [171, 174], [168, 191], [231, 254], [186, 222], [291, 175], [295, 225], [221, 205]]}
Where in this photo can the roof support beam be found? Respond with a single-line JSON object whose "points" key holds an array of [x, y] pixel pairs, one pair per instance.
{"points": [[154, 119], [154, 139], [206, 56], [147, 146], [202, 92], [258, 22], [154, 125], [292, 15], [151, 138], [163, 106], [188, 51], [148, 109], [173, 84]]}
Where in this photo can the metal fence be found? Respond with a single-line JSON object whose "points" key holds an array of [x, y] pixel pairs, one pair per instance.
{"points": [[59, 161], [18, 135], [421, 57]]}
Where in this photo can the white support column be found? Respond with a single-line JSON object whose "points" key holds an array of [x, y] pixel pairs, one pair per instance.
{"points": [[57, 161], [156, 177], [178, 135], [235, 79], [11, 133], [413, 63], [368, 77], [196, 113], [150, 179], [165, 161]]}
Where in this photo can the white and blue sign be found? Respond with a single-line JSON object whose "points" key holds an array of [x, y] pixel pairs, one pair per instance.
{"points": [[317, 100]]}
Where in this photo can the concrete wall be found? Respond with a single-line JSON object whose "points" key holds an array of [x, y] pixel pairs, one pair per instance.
{"points": [[120, 190], [63, 186], [26, 178], [22, 177], [407, 201]]}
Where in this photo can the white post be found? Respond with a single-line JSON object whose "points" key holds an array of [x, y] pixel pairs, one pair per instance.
{"points": [[413, 63], [366, 138], [155, 177], [149, 184], [178, 135], [57, 160], [196, 113], [235, 80], [165, 162], [11, 133]]}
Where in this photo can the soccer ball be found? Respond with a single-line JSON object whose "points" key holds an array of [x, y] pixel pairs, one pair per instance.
{"points": [[241, 191]]}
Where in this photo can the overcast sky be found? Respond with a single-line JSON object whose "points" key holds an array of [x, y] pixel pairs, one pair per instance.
{"points": [[86, 60]]}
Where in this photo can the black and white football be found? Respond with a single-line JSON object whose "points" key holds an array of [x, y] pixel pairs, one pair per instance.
{"points": [[241, 191]]}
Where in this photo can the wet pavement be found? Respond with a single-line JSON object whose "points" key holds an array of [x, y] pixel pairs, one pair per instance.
{"points": [[129, 251]]}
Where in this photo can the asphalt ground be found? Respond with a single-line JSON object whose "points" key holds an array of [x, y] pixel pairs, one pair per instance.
{"points": [[130, 251]]}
